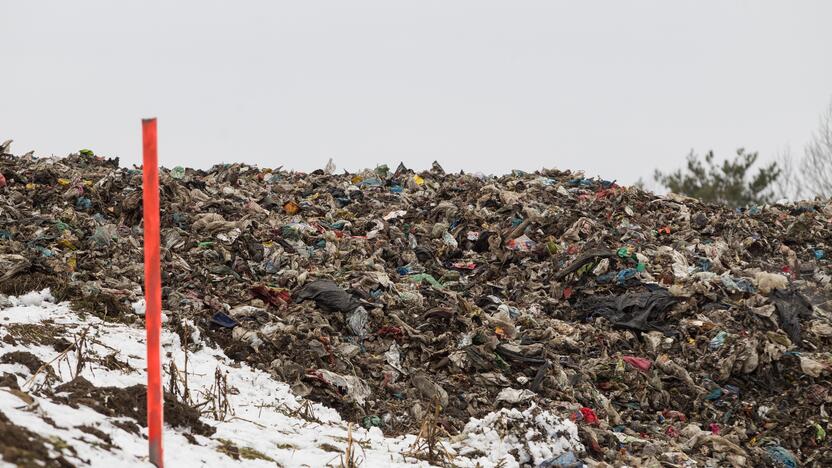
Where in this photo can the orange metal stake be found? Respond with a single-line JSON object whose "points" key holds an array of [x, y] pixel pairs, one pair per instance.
{"points": [[152, 290]]}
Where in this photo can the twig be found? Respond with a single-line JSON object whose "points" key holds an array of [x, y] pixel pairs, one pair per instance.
{"points": [[60, 355]]}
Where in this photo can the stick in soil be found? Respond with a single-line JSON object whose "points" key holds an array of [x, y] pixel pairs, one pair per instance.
{"points": [[428, 445], [186, 392], [60, 355], [220, 399], [173, 386], [349, 459]]}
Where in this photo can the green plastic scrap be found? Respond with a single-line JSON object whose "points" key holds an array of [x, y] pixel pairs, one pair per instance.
{"points": [[585, 269], [382, 170], [371, 421], [86, 152], [177, 172], [552, 247], [500, 362], [419, 277], [820, 432]]}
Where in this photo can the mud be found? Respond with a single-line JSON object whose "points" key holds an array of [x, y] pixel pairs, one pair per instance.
{"points": [[32, 362], [104, 306], [38, 334], [129, 402], [23, 448]]}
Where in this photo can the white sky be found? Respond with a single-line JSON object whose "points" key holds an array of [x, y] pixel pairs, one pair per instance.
{"points": [[614, 87]]}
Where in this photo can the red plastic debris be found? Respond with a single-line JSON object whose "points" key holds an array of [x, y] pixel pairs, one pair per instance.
{"points": [[641, 364], [395, 332], [587, 415], [274, 296], [670, 414]]}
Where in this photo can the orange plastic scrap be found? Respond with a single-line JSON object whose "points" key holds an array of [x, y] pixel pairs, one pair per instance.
{"points": [[290, 207]]}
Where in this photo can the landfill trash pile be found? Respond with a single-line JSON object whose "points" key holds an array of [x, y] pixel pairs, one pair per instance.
{"points": [[85, 406], [669, 331]]}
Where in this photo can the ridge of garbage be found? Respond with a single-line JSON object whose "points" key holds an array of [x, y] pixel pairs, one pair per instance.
{"points": [[669, 330]]}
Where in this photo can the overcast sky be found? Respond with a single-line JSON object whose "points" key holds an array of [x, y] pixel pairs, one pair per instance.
{"points": [[617, 88]]}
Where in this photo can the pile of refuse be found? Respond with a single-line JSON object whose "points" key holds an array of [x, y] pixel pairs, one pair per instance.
{"points": [[670, 331]]}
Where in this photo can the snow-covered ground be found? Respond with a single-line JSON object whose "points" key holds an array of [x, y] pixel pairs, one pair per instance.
{"points": [[264, 423]]}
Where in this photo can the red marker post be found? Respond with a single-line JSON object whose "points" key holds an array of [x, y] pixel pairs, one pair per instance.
{"points": [[152, 289]]}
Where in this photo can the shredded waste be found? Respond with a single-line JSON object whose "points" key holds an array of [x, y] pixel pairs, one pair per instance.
{"points": [[556, 319]]}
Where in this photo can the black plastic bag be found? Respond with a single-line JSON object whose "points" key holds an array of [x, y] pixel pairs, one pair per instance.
{"points": [[327, 295]]}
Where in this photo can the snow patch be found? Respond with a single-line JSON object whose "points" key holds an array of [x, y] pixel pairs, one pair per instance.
{"points": [[535, 434], [263, 418]]}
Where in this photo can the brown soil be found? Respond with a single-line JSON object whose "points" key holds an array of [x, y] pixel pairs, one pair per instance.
{"points": [[97, 433], [23, 448], [9, 381], [36, 281], [129, 402], [104, 306], [38, 333], [32, 362], [22, 284]]}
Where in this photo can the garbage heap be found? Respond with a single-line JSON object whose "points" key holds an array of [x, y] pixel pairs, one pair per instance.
{"points": [[670, 330]]}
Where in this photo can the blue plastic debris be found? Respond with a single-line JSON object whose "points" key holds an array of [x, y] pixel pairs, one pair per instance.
{"points": [[44, 251], [737, 284], [83, 203], [223, 320], [625, 274], [715, 394], [564, 460], [581, 182], [782, 457], [718, 340], [371, 182]]}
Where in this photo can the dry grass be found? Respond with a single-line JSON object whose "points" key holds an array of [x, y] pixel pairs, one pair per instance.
{"points": [[350, 459], [429, 444], [79, 345]]}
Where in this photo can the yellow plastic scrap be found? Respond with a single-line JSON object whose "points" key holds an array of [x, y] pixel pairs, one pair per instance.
{"points": [[419, 180], [67, 244], [63, 182], [356, 179]]}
